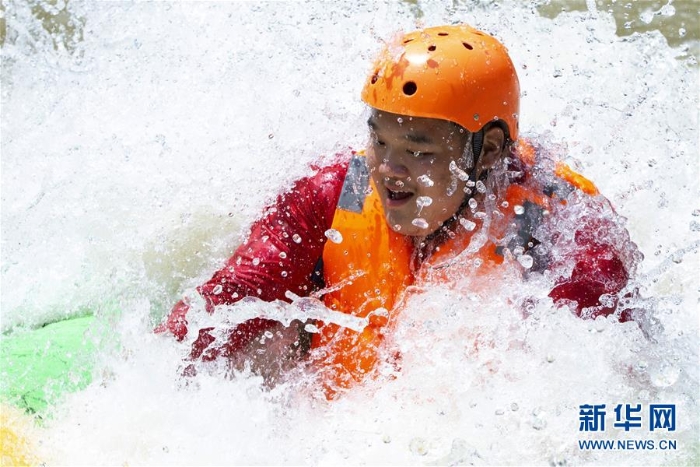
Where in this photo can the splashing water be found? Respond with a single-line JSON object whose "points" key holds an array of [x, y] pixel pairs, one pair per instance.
{"points": [[139, 151], [334, 236], [457, 172], [420, 223], [425, 181], [423, 201]]}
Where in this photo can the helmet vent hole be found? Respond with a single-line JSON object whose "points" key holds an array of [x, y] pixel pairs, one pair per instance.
{"points": [[432, 48], [443, 34], [374, 78], [410, 88], [467, 46], [407, 41]]}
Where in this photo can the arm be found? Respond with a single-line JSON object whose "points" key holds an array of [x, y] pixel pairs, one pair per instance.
{"points": [[280, 254], [604, 258]]}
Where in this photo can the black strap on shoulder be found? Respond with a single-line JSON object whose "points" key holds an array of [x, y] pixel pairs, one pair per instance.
{"points": [[317, 276], [477, 144], [354, 191]]}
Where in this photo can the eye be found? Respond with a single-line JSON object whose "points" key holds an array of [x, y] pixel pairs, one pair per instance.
{"points": [[419, 153]]}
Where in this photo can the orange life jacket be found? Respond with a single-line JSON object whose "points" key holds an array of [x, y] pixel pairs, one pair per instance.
{"points": [[367, 272]]}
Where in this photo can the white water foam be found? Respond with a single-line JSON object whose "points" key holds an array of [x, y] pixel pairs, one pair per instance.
{"points": [[132, 165]]}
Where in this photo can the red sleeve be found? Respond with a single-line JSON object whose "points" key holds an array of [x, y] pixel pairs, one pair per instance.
{"points": [[280, 254], [599, 270]]}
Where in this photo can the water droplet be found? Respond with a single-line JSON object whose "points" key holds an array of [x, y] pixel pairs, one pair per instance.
{"points": [[526, 261], [400, 120], [647, 16], [256, 261], [550, 358], [457, 172], [296, 238], [478, 262], [500, 411], [282, 255], [467, 224], [667, 10], [538, 421], [311, 328], [473, 204], [514, 407], [452, 188], [681, 32], [665, 376], [284, 274], [386, 439], [397, 227], [269, 334], [480, 215], [418, 446], [334, 236], [218, 289], [423, 201], [420, 223], [607, 300], [480, 187], [476, 117], [425, 181], [519, 210]]}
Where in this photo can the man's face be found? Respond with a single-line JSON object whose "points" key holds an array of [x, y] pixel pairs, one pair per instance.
{"points": [[418, 167]]}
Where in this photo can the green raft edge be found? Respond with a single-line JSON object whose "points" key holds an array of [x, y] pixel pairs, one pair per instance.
{"points": [[39, 366]]}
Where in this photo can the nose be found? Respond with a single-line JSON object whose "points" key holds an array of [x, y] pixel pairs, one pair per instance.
{"points": [[392, 166]]}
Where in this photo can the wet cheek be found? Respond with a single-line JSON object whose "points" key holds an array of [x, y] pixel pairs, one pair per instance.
{"points": [[371, 162]]}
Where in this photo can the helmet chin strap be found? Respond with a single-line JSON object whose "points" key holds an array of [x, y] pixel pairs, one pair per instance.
{"points": [[477, 144]]}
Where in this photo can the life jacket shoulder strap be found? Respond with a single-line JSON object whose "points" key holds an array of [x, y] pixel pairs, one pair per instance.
{"points": [[355, 186]]}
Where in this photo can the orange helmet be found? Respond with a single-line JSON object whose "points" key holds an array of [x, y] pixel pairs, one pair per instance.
{"points": [[453, 73]]}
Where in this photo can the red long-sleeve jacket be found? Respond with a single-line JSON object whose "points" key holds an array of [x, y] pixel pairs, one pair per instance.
{"points": [[284, 247]]}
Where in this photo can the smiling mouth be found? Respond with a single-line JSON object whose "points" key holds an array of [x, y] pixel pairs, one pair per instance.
{"points": [[396, 199], [398, 195]]}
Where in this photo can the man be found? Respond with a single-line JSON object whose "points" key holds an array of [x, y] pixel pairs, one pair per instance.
{"points": [[446, 189]]}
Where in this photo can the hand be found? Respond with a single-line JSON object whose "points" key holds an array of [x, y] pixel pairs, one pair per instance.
{"points": [[274, 352], [176, 321]]}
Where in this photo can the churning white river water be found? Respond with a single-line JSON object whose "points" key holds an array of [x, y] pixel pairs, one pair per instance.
{"points": [[138, 147]]}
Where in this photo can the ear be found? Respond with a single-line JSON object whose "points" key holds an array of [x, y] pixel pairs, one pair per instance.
{"points": [[492, 150]]}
